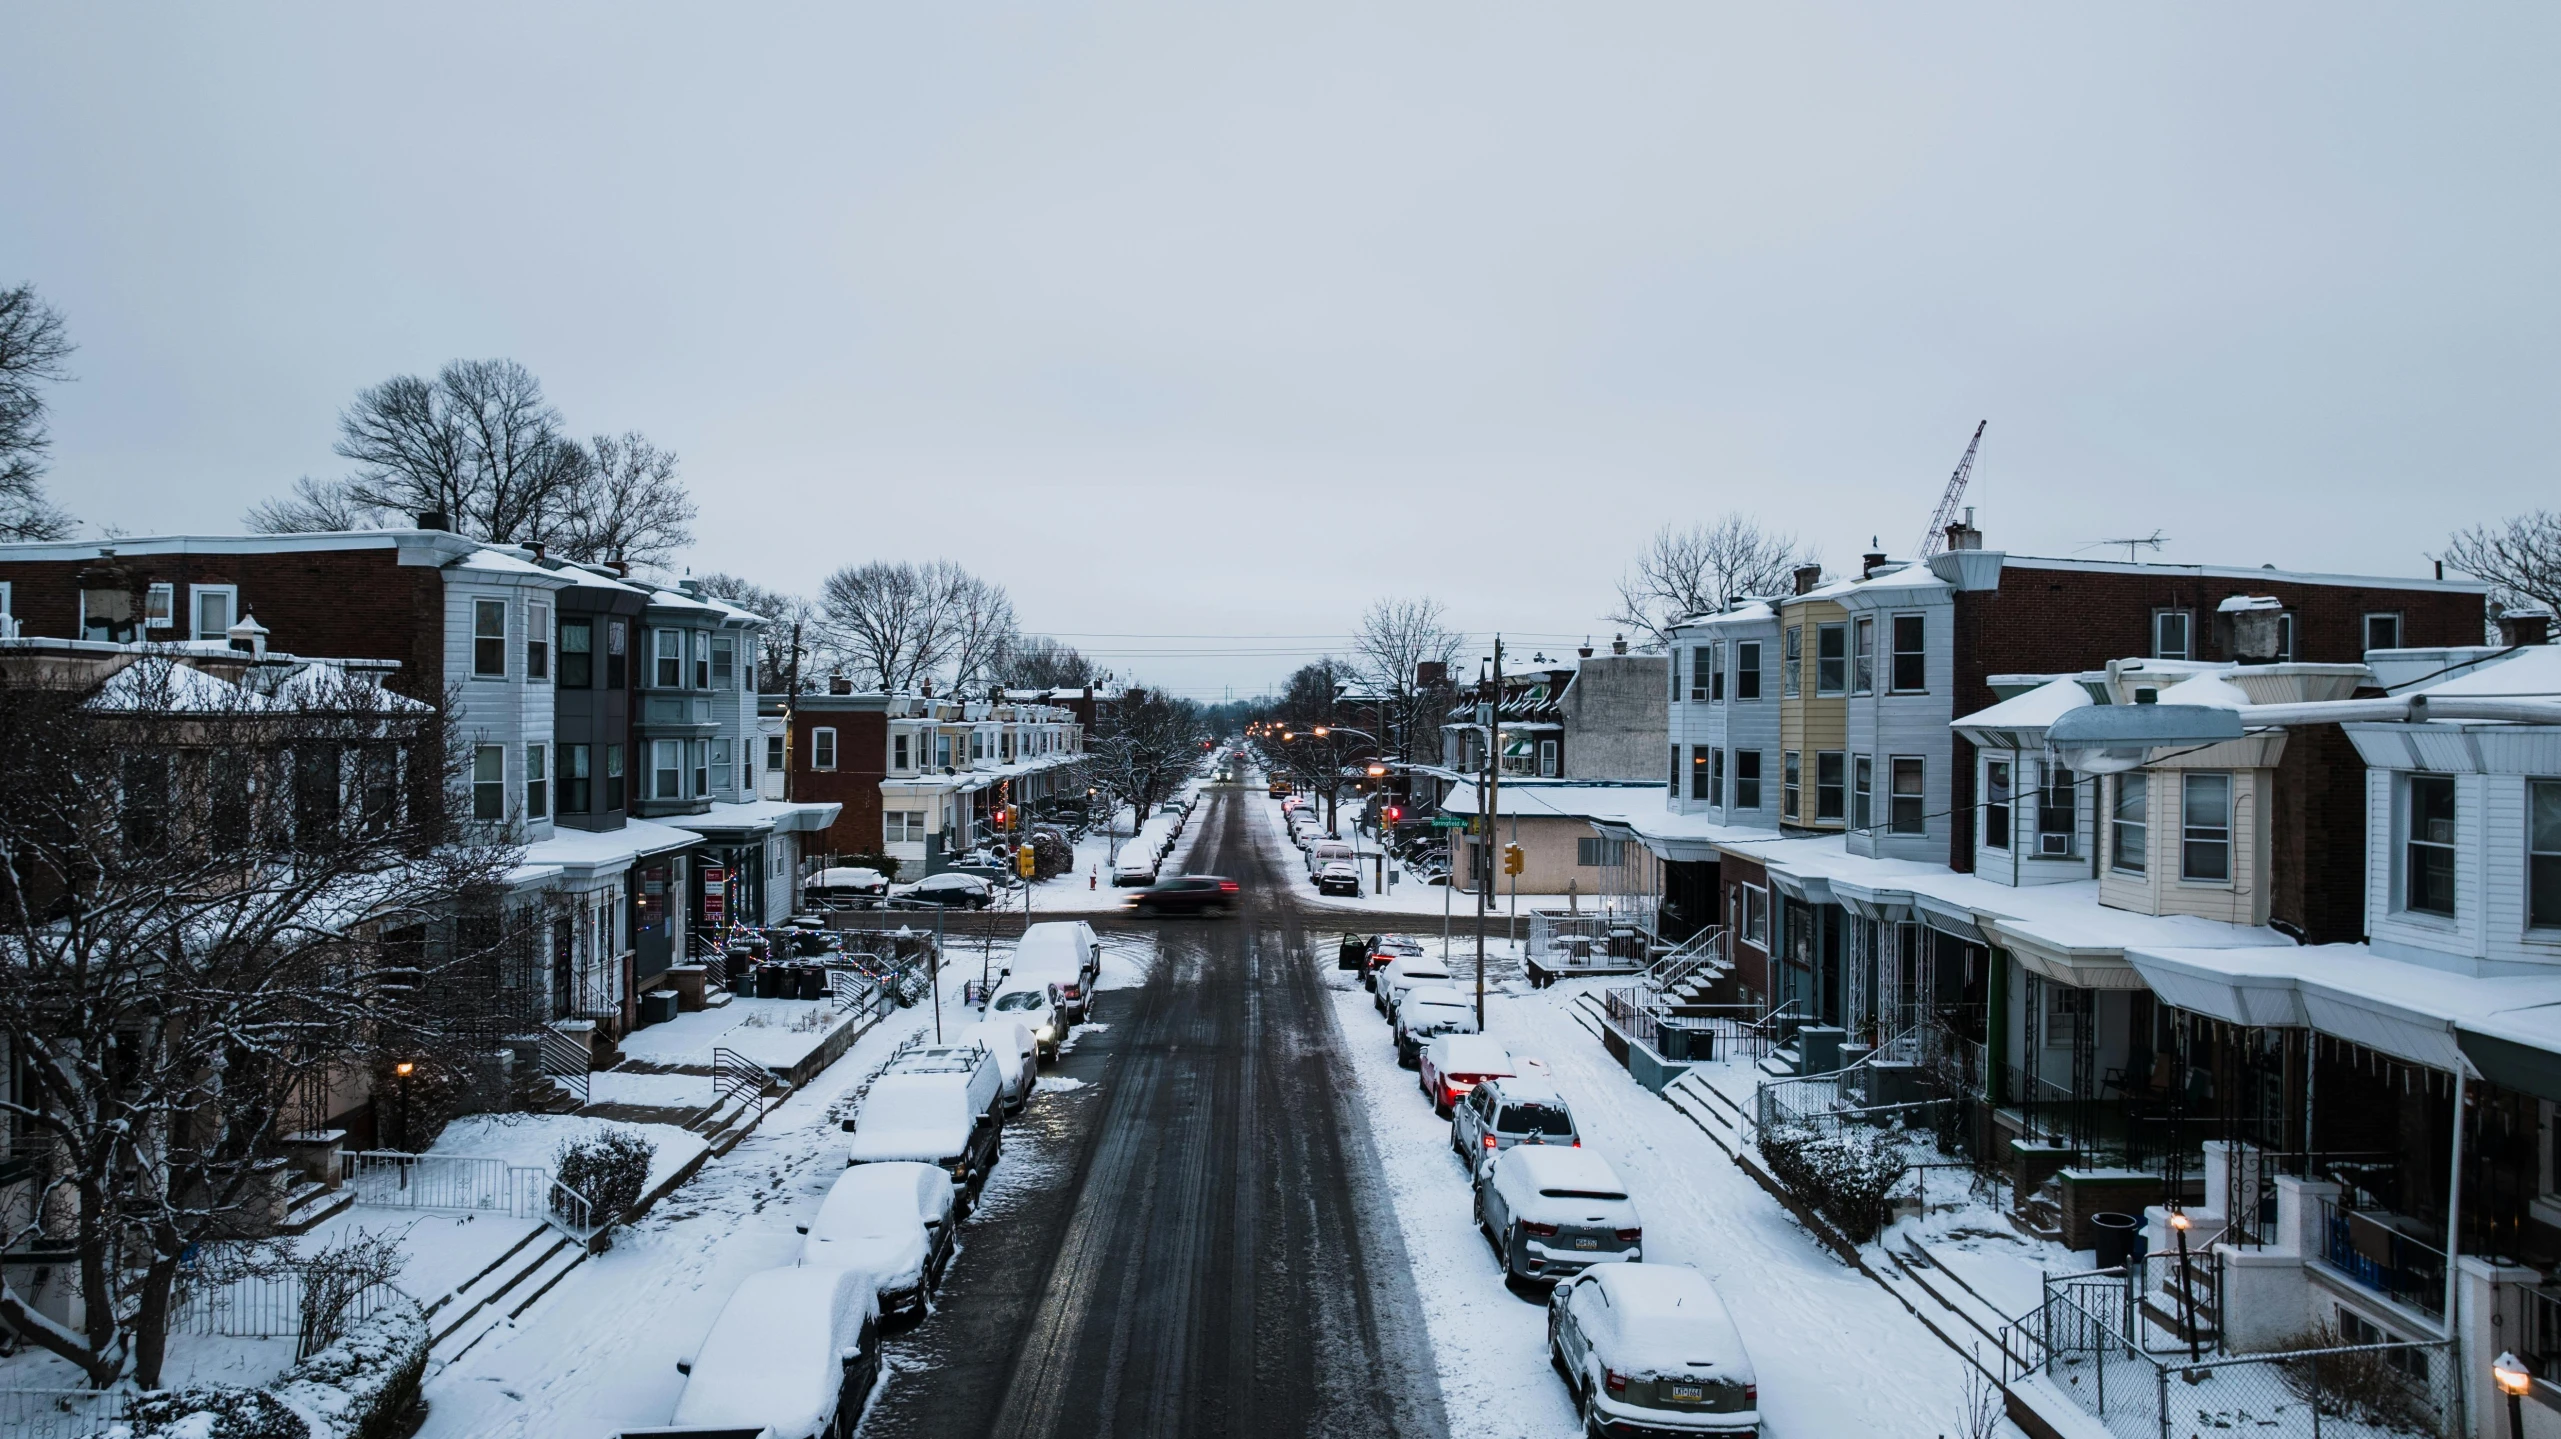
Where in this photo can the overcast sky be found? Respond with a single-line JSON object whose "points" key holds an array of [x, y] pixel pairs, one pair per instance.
{"points": [[1217, 320]]}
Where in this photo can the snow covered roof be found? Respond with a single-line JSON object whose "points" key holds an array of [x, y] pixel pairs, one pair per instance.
{"points": [[2036, 710], [1533, 799], [772, 1359], [581, 853], [2533, 673], [486, 562], [775, 815], [2210, 690]]}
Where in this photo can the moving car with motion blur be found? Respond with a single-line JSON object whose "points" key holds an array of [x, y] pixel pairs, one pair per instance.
{"points": [[1186, 894], [1648, 1349]]}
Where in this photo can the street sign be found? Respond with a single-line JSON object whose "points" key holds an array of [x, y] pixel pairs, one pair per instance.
{"points": [[1453, 821]]}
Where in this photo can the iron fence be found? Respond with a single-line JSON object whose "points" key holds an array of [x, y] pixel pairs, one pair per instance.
{"points": [[61, 1413], [390, 1179], [2374, 1253]]}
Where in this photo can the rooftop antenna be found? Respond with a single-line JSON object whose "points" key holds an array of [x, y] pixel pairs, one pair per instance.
{"points": [[1934, 539], [2156, 539]]}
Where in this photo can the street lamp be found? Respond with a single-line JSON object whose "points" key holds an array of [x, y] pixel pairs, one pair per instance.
{"points": [[2514, 1380], [2187, 1296], [401, 1072]]}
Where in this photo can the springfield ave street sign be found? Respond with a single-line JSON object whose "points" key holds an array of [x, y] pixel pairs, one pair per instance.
{"points": [[1453, 821]]}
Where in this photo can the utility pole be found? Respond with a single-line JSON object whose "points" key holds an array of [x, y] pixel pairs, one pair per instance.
{"points": [[1490, 808], [791, 708]]}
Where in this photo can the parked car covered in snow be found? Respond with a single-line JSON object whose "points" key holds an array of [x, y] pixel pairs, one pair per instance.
{"points": [[1136, 866], [1552, 1211], [1454, 1064], [874, 1221], [1068, 954], [1383, 950], [950, 889], [1322, 852], [1402, 974], [845, 887], [1501, 1113], [793, 1355], [1428, 1010], [1649, 1349], [1339, 877], [1017, 1057], [936, 1106], [1030, 1000]]}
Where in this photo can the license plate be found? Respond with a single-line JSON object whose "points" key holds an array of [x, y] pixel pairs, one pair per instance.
{"points": [[1689, 1393], [1587, 1244]]}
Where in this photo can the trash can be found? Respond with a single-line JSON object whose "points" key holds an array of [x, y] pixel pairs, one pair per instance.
{"points": [[1685, 1044], [813, 983], [658, 1006], [2118, 1238], [774, 981]]}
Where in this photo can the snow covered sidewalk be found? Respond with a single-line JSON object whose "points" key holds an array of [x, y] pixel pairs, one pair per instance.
{"points": [[1836, 1355]]}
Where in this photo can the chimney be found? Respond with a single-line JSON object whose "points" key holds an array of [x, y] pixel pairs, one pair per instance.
{"points": [[926, 688], [2525, 627], [434, 520], [1962, 535], [1429, 673], [1618, 645], [249, 637], [2255, 623], [1874, 557], [537, 547], [692, 587], [106, 596], [1584, 651], [1807, 577], [620, 566], [838, 684]]}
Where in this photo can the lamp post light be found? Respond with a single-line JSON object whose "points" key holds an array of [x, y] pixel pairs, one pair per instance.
{"points": [[2514, 1380], [401, 1072], [2187, 1296]]}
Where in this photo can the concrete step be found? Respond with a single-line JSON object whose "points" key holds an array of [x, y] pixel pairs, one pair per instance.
{"points": [[481, 1303], [311, 1202], [1982, 1322]]}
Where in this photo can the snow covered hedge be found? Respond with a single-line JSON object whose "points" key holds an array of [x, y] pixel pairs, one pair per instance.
{"points": [[1846, 1174], [609, 1167], [361, 1387]]}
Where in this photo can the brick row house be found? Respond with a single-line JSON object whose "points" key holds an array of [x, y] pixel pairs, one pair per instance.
{"points": [[608, 723]]}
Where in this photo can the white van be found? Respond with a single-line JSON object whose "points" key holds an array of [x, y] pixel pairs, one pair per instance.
{"points": [[1322, 852], [793, 1355]]}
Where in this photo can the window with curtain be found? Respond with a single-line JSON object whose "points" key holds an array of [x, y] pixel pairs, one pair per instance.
{"points": [[2205, 827], [489, 639], [1909, 802], [1996, 804], [2428, 865], [2129, 825], [577, 654]]}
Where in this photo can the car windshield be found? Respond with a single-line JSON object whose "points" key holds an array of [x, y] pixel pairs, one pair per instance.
{"points": [[1535, 1119], [1018, 1000]]}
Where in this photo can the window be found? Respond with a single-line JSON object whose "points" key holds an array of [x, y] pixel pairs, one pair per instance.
{"points": [[1702, 782], [489, 639], [1547, 759], [4, 597], [1756, 914], [1907, 807], [575, 781], [2205, 827], [319, 794], [1716, 779], [489, 782], [2428, 873], [702, 660], [537, 641], [774, 756], [2128, 824], [1596, 853], [1747, 779], [699, 751], [2543, 853], [614, 798], [377, 786], [1716, 673], [1828, 776], [2056, 814], [215, 607], [537, 784], [898, 751], [617, 658], [1702, 670], [1791, 785], [1863, 658], [2383, 632], [2169, 634], [1996, 804], [1831, 659], [144, 802], [1862, 793], [2285, 637], [666, 769], [1791, 666], [1747, 670], [577, 654], [159, 604], [1911, 657], [903, 826], [942, 751], [822, 749], [722, 761], [724, 661], [670, 660]]}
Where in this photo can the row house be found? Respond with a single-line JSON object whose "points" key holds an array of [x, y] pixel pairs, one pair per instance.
{"points": [[922, 779], [603, 720]]}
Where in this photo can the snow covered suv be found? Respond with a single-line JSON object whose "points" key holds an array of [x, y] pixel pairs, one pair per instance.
{"points": [[1428, 1010], [1649, 1349], [1513, 1110], [1553, 1212]]}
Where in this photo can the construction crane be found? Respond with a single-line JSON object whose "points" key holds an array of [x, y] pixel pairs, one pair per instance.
{"points": [[1934, 539]]}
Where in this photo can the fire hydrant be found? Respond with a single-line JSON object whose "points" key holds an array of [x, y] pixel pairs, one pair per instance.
{"points": [[1093, 876]]}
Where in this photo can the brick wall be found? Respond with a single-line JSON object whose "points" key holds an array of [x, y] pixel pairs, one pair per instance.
{"points": [[333, 604], [2062, 621], [862, 760], [2317, 839], [1751, 962]]}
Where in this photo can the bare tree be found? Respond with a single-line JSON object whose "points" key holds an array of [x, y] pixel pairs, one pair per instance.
{"points": [[1038, 662], [1396, 639], [979, 616], [784, 613], [886, 622], [1692, 571], [32, 349], [216, 902], [2519, 557], [313, 506], [621, 500], [1144, 745]]}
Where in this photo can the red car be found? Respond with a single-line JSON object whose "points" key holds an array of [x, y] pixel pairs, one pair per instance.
{"points": [[1452, 1065]]}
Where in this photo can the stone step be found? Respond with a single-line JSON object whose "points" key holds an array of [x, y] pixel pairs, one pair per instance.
{"points": [[311, 1202], [485, 1303]]}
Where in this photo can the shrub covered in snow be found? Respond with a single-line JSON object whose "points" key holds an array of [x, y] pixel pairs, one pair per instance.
{"points": [[609, 1167], [363, 1386], [210, 1411], [1846, 1175]]}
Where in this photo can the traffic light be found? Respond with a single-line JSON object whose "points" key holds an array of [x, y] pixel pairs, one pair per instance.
{"points": [[1514, 861], [1394, 814], [1025, 860]]}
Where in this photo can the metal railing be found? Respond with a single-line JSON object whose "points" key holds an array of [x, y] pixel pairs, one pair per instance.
{"points": [[2531, 1319], [61, 1413], [2403, 1268], [2117, 1371], [276, 1306], [390, 1179], [567, 1061], [1594, 942], [735, 1076]]}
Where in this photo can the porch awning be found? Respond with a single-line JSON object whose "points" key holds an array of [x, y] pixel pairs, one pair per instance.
{"points": [[2078, 966], [2517, 1049], [1961, 920], [2410, 1011]]}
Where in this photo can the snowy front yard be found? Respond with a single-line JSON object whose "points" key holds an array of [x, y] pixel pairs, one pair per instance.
{"points": [[1835, 1354]]}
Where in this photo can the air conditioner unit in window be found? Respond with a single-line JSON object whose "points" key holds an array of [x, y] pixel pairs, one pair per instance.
{"points": [[2054, 844]]}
